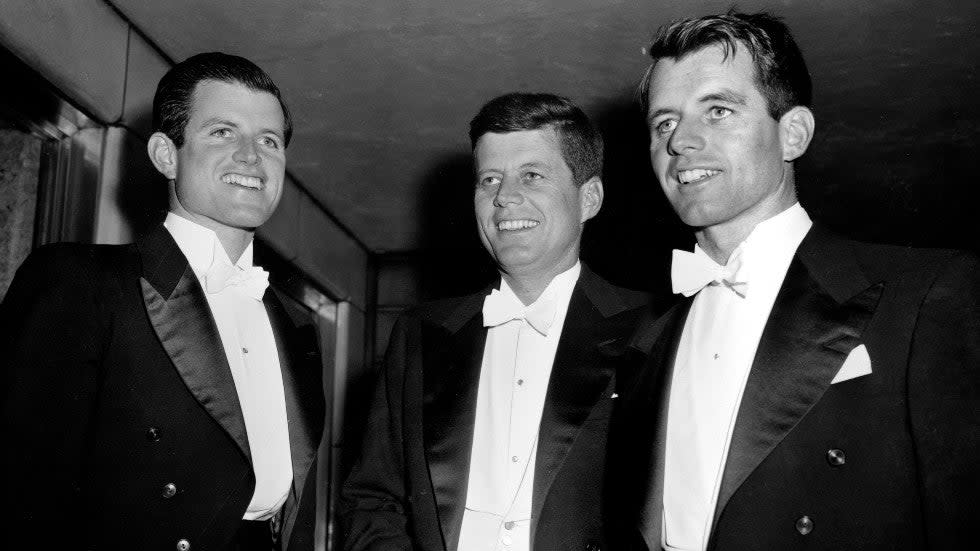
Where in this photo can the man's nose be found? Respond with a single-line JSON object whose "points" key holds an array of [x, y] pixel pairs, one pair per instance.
{"points": [[509, 193], [247, 153], [687, 137]]}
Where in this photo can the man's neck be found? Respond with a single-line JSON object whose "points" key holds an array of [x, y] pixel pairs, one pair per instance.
{"points": [[233, 240], [720, 240], [529, 287]]}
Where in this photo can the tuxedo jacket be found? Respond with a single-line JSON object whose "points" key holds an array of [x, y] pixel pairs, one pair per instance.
{"points": [[887, 460], [116, 386], [408, 491]]}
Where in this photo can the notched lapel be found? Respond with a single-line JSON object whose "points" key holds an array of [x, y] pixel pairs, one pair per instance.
{"points": [[451, 377], [806, 340], [181, 318]]}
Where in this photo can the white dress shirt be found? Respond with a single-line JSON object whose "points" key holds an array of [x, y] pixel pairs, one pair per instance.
{"points": [[517, 362], [250, 347], [714, 356]]}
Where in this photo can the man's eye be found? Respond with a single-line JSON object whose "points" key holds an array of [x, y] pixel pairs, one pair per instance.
{"points": [[532, 176], [221, 133], [666, 127], [489, 181], [269, 142], [720, 112]]}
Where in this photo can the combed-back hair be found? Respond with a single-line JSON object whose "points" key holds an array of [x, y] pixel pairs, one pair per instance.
{"points": [[781, 73], [580, 141], [172, 101]]}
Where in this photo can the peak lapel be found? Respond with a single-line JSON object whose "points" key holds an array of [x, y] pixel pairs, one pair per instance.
{"points": [[644, 417], [181, 318], [303, 392], [452, 357], [578, 381], [817, 318]]}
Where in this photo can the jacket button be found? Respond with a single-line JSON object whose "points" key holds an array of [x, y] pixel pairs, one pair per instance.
{"points": [[804, 525], [154, 434], [169, 491], [183, 545], [835, 457]]}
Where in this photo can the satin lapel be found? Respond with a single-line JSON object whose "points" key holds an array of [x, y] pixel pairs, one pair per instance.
{"points": [[181, 318], [806, 339], [303, 390], [451, 375], [648, 401], [578, 379]]}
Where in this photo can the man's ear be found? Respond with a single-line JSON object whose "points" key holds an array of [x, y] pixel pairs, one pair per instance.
{"points": [[796, 128], [590, 196], [163, 155]]}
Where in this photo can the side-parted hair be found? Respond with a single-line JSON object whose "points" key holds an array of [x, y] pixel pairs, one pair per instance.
{"points": [[579, 140], [781, 73], [172, 101]]}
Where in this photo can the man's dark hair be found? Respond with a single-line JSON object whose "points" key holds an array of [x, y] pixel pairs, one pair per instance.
{"points": [[172, 101], [579, 140], [781, 72]]}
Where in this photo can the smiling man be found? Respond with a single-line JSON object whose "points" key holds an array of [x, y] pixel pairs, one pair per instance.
{"points": [[808, 391], [156, 395], [488, 428]]}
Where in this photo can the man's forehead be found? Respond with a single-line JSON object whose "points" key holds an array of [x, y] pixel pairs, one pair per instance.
{"points": [[232, 99], [697, 72], [520, 143]]}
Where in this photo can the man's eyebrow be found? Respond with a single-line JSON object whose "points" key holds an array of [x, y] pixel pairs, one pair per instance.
{"points": [[657, 113], [215, 120], [726, 95], [535, 164], [225, 122]]}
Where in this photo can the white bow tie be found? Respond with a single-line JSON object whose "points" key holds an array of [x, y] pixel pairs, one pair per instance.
{"points": [[690, 272], [499, 309], [251, 282]]}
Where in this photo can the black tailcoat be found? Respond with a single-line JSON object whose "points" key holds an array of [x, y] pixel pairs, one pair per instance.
{"points": [[409, 489], [116, 384], [908, 433]]}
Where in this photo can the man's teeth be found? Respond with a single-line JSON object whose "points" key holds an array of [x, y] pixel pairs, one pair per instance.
{"points": [[238, 179], [688, 176], [505, 225]]}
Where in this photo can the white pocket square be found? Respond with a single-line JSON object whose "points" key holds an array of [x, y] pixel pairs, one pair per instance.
{"points": [[857, 364]]}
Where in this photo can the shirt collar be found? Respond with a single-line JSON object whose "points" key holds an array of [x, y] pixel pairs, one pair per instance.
{"points": [[559, 289], [201, 245]]}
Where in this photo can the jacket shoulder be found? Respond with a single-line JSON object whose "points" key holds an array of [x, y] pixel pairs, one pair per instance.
{"points": [[890, 261], [79, 262], [612, 299]]}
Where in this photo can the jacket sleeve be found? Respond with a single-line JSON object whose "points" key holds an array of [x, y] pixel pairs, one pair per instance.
{"points": [[944, 404], [374, 512], [51, 331]]}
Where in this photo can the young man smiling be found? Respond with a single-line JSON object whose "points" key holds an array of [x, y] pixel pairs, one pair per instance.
{"points": [[488, 428], [809, 391], [156, 395]]}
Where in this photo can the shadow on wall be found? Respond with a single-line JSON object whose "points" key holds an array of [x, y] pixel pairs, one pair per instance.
{"points": [[453, 261], [630, 240], [142, 195]]}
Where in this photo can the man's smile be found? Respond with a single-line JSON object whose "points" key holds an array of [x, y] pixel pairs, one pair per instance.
{"points": [[516, 225], [251, 182], [695, 175]]}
